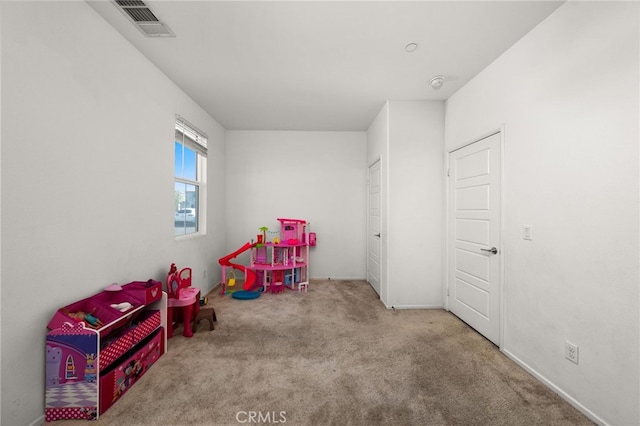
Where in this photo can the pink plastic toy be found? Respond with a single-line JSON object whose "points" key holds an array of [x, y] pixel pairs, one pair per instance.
{"points": [[276, 265], [292, 231], [276, 287], [181, 296], [225, 262], [85, 317]]}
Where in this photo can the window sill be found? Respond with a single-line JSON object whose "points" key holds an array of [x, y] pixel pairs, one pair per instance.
{"points": [[189, 236]]}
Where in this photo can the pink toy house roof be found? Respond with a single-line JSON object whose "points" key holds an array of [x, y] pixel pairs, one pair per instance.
{"points": [[292, 220]]}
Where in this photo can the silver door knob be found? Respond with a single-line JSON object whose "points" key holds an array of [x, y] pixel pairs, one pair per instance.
{"points": [[492, 250], [376, 235]]}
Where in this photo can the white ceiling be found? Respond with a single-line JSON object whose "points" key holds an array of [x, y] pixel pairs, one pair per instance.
{"points": [[323, 65]]}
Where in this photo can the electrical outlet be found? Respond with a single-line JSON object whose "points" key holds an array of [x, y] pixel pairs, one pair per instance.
{"points": [[571, 352]]}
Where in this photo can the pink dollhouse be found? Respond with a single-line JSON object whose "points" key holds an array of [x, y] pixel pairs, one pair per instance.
{"points": [[277, 264], [284, 262]]}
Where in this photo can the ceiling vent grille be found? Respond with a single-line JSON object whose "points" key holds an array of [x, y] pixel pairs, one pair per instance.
{"points": [[143, 18]]}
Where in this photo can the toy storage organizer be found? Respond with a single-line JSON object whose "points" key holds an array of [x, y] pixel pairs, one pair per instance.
{"points": [[88, 368]]}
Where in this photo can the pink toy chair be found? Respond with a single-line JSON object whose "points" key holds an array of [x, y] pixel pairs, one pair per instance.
{"points": [[276, 287], [182, 299]]}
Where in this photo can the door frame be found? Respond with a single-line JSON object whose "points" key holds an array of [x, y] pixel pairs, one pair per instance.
{"points": [[503, 251]]}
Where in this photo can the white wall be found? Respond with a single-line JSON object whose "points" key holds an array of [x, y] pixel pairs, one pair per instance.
{"points": [[568, 96], [416, 200], [316, 176], [0, 207], [408, 136], [87, 145]]}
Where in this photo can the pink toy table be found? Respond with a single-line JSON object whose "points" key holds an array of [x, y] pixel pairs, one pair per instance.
{"points": [[188, 300]]}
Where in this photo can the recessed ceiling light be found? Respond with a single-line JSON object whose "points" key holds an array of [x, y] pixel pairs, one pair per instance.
{"points": [[411, 47]]}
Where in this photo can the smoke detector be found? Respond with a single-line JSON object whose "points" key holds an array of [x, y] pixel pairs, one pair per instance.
{"points": [[437, 82]]}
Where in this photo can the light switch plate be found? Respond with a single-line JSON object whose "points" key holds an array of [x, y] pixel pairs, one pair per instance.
{"points": [[526, 232]]}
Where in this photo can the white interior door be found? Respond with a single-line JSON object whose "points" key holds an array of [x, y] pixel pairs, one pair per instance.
{"points": [[373, 233], [474, 235]]}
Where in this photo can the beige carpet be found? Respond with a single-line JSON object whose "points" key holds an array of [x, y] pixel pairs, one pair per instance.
{"points": [[335, 356]]}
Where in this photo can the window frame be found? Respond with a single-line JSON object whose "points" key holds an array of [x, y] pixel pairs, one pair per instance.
{"points": [[190, 137]]}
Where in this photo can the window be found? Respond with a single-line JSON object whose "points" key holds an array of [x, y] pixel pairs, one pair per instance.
{"points": [[190, 178]]}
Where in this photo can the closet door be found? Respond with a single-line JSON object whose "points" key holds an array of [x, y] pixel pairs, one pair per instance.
{"points": [[373, 232], [474, 256]]}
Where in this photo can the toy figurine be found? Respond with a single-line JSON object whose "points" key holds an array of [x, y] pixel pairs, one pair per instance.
{"points": [[91, 321], [264, 230]]}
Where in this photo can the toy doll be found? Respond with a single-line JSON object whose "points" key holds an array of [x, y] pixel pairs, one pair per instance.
{"points": [[91, 321]]}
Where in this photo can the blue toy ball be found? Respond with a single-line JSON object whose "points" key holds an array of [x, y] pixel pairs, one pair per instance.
{"points": [[245, 295]]}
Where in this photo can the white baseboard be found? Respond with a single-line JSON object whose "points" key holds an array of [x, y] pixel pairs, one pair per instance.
{"points": [[401, 307], [38, 422], [337, 279], [577, 405]]}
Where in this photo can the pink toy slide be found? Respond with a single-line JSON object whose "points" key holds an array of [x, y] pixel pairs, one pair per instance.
{"points": [[250, 275]]}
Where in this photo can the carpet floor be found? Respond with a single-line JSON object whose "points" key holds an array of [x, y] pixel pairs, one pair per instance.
{"points": [[335, 356]]}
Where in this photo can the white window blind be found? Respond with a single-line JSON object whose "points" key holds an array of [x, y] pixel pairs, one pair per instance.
{"points": [[191, 136]]}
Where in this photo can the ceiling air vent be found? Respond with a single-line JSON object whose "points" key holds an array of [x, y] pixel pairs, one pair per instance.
{"points": [[143, 18]]}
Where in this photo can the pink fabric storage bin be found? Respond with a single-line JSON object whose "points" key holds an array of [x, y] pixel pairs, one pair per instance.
{"points": [[92, 305], [148, 323], [119, 378], [99, 305], [145, 291], [114, 347], [109, 298], [120, 341]]}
